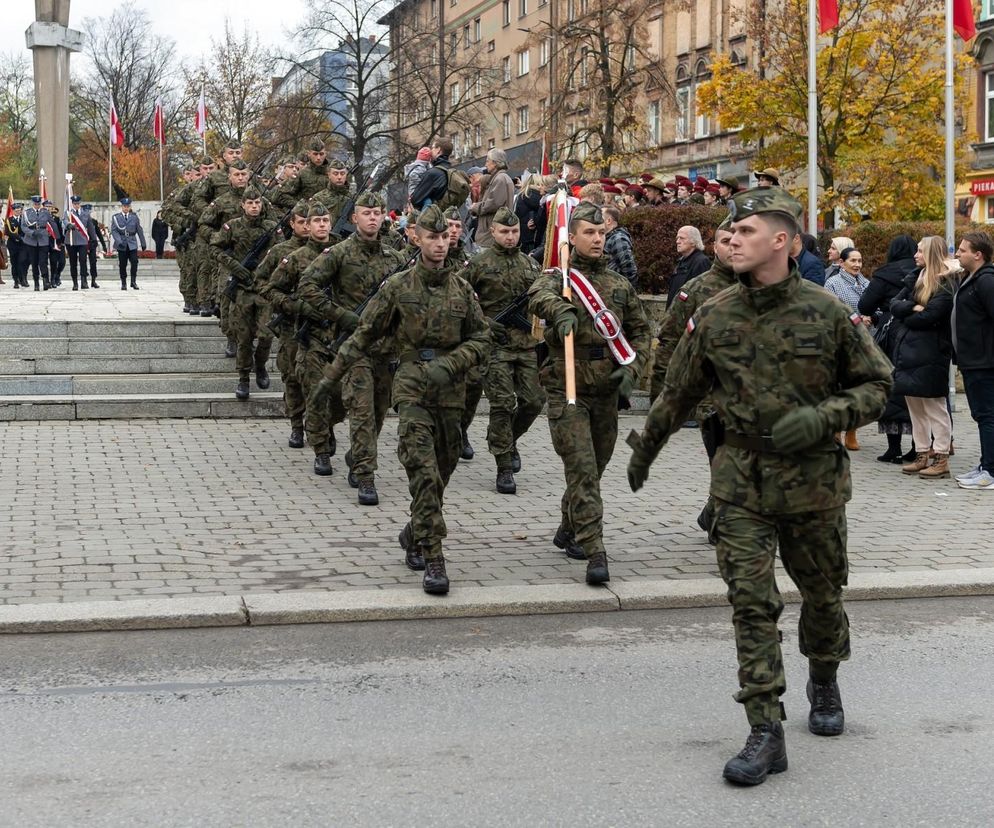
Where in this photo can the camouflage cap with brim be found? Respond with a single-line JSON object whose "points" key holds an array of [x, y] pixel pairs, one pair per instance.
{"points": [[764, 200], [316, 145], [505, 217], [301, 209], [587, 212], [370, 199], [206, 161], [316, 211], [251, 194], [452, 214], [238, 165], [726, 224], [233, 145], [337, 164], [431, 218]]}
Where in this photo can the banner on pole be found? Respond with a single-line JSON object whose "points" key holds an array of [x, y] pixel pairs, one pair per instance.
{"points": [[828, 15], [158, 123], [116, 132]]}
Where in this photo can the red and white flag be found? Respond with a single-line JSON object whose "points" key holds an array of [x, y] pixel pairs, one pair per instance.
{"points": [[42, 185], [828, 15], [200, 119], [158, 123], [116, 133], [963, 21], [9, 204]]}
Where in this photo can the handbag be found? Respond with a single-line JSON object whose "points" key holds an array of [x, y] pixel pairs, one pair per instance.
{"points": [[882, 335]]}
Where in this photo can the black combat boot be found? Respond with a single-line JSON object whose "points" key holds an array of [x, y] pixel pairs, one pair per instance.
{"points": [[827, 718], [134, 285], [93, 282], [83, 285], [216, 311], [505, 482], [322, 464], [467, 450], [515, 459], [186, 308], [37, 286], [75, 283], [296, 437], [124, 284], [45, 283], [332, 442], [565, 541], [206, 311], [367, 493], [231, 348], [435, 581], [353, 480], [242, 389], [597, 569], [412, 554], [706, 521], [765, 752], [261, 377]]}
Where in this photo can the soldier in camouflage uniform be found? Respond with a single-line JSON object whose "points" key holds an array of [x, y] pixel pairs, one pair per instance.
{"points": [[439, 332], [330, 290], [311, 179], [177, 212], [198, 250], [694, 294], [499, 275], [277, 278], [787, 366], [249, 311], [336, 194]]}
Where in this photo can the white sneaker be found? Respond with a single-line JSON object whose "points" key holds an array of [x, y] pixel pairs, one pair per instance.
{"points": [[984, 480], [970, 474]]}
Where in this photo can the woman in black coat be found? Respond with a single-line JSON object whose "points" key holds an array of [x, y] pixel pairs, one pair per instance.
{"points": [[526, 207], [160, 232], [923, 350], [887, 282]]}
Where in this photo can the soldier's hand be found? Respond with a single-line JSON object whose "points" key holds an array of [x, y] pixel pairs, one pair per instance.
{"points": [[438, 374], [799, 429], [624, 381], [348, 321], [638, 469], [566, 322], [242, 273]]}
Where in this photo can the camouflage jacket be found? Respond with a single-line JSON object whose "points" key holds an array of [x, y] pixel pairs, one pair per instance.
{"points": [[499, 275], [228, 207], [422, 309], [334, 198], [694, 294], [209, 189], [236, 238], [306, 183], [176, 208], [594, 364], [273, 259], [280, 289], [760, 353], [340, 279]]}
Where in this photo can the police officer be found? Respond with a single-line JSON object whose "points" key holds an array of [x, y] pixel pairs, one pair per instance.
{"points": [[96, 237], [34, 229], [126, 231], [56, 245], [787, 366], [15, 245], [77, 244]]}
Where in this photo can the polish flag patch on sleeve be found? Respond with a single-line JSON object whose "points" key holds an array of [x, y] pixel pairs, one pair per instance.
{"points": [[856, 319], [683, 296], [691, 325]]}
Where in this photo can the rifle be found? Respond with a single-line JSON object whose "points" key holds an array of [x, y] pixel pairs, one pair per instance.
{"points": [[254, 256], [513, 314], [344, 227]]}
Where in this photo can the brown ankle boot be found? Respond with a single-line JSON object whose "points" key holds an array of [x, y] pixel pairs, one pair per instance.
{"points": [[937, 469], [920, 462], [852, 444]]}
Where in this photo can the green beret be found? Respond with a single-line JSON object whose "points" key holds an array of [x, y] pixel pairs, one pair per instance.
{"points": [[233, 144], [431, 218], [301, 208], [587, 212], [251, 194], [238, 165], [337, 164], [452, 214], [505, 217], [316, 145], [317, 209], [764, 200], [370, 199]]}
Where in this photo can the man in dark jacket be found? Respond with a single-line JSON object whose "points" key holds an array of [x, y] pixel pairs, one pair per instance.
{"points": [[973, 342], [807, 260], [692, 261], [434, 183], [618, 247]]}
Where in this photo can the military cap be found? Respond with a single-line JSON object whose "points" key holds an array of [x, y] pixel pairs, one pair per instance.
{"points": [[18, 205], [635, 189], [85, 206], [697, 197], [770, 173], [370, 199], [505, 217], [656, 183], [251, 194], [701, 184], [764, 200], [233, 144], [337, 164], [431, 218], [302, 157], [587, 212], [317, 209], [76, 199], [726, 223], [206, 161], [316, 145], [301, 208], [714, 189], [125, 201], [412, 217], [646, 177], [238, 165], [612, 189], [605, 181], [452, 214], [622, 182], [730, 181]]}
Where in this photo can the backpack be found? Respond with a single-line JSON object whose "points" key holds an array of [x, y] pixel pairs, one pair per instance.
{"points": [[456, 189]]}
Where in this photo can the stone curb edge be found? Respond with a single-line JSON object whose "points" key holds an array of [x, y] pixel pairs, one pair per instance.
{"points": [[304, 607]]}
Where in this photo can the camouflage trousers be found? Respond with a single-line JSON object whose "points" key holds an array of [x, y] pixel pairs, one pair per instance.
{"points": [[293, 393], [187, 277], [584, 436], [474, 391], [813, 551], [429, 442], [366, 397], [320, 414], [516, 399], [225, 304], [204, 268], [248, 316]]}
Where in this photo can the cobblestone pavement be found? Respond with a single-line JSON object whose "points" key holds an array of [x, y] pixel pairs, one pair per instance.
{"points": [[102, 509]]}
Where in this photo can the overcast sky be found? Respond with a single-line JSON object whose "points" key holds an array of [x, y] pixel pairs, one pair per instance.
{"points": [[174, 18]]}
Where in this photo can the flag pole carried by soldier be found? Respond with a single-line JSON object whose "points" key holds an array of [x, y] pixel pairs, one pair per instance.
{"points": [[787, 366], [439, 332], [602, 311]]}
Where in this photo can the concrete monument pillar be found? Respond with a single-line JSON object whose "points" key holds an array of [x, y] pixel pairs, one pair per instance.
{"points": [[51, 41]]}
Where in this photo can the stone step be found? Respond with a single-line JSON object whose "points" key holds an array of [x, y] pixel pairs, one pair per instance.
{"points": [[108, 329], [33, 385], [142, 406], [127, 364], [34, 347]]}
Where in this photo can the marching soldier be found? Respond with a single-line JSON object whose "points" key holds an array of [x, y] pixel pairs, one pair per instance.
{"points": [[34, 229], [335, 195], [77, 244], [502, 275], [126, 230], [439, 332], [15, 246], [607, 370], [787, 366], [459, 258], [249, 311], [311, 179], [334, 285], [176, 210], [278, 276]]}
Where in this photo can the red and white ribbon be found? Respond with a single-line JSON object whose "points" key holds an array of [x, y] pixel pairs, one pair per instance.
{"points": [[605, 321]]}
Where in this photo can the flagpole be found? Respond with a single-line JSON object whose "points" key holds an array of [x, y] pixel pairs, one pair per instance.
{"points": [[812, 117], [110, 150], [161, 193], [950, 135], [203, 97]]}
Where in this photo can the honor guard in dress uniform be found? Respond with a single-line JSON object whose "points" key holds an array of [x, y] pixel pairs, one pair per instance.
{"points": [[96, 237], [34, 229], [126, 230], [15, 246], [77, 244]]}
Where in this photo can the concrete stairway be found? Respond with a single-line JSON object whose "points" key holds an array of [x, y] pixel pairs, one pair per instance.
{"points": [[58, 370]]}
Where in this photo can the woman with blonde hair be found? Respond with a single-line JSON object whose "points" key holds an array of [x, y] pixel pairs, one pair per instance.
{"points": [[839, 243], [922, 351]]}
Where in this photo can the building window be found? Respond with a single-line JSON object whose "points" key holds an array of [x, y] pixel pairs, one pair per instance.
{"points": [[491, 46], [465, 36], [655, 133], [477, 31], [683, 113], [523, 63], [989, 107], [582, 69], [477, 136], [453, 42], [454, 94], [478, 86], [522, 119], [506, 65], [491, 143], [630, 57], [434, 9], [505, 12], [703, 123], [570, 10], [543, 51], [987, 13], [522, 8]]}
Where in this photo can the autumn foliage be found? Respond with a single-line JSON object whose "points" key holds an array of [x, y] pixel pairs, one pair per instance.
{"points": [[136, 171]]}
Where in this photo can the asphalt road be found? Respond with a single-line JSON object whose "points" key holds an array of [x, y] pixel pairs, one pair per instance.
{"points": [[616, 719]]}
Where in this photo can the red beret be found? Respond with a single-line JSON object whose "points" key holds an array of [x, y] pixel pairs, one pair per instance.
{"points": [[606, 181], [622, 181], [647, 176], [610, 188], [635, 189], [714, 189]]}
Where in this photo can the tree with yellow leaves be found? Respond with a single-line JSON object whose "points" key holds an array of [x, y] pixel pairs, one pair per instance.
{"points": [[880, 103]]}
